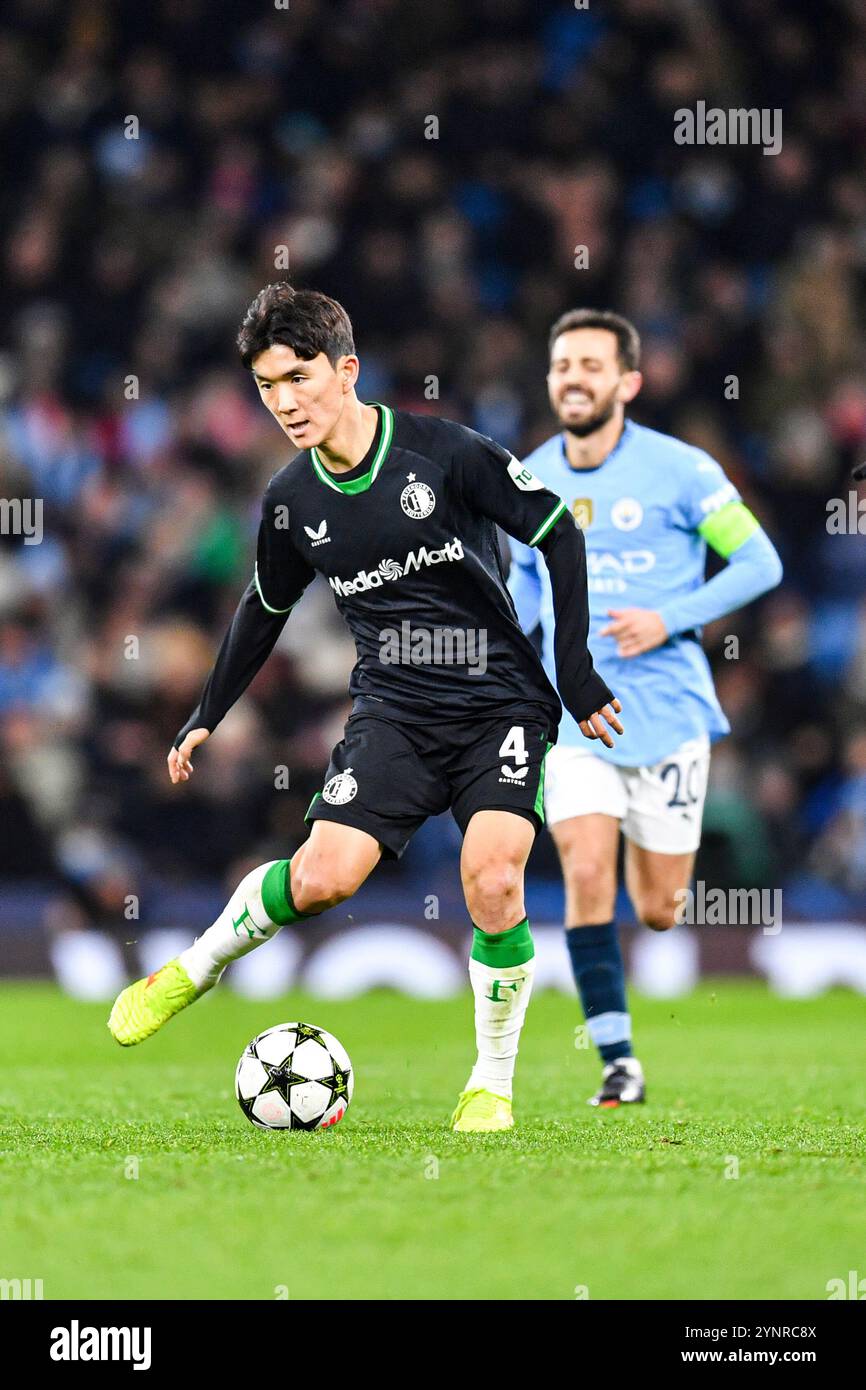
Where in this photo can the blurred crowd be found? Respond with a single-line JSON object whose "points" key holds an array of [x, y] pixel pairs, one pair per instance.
{"points": [[457, 175]]}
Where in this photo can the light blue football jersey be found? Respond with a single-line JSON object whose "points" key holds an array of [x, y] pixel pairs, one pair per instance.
{"points": [[639, 511]]}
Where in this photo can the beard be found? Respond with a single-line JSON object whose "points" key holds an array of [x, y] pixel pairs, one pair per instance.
{"points": [[599, 417]]}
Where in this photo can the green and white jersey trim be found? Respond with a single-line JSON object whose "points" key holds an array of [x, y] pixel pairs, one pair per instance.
{"points": [[359, 484], [264, 600], [549, 522]]}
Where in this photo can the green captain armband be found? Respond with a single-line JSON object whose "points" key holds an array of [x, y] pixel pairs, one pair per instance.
{"points": [[728, 528]]}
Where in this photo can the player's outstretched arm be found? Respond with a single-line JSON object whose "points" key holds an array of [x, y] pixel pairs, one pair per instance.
{"points": [[753, 567], [281, 576], [581, 689], [710, 507], [245, 648]]}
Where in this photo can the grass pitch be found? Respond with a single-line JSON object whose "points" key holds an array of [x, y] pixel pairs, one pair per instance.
{"points": [[133, 1174]]}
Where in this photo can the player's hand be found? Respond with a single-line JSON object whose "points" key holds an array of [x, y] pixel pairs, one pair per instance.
{"points": [[593, 727], [179, 765], [636, 630]]}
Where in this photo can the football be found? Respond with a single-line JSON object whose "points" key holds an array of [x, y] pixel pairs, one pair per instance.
{"points": [[294, 1076]]}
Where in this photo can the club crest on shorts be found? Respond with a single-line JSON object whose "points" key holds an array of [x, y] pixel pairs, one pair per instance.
{"points": [[340, 788], [417, 500]]}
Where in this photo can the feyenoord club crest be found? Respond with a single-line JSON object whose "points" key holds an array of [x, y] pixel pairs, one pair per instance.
{"points": [[581, 510], [340, 788], [417, 500]]}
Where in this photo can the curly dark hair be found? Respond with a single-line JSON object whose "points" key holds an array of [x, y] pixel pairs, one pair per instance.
{"points": [[304, 320]]}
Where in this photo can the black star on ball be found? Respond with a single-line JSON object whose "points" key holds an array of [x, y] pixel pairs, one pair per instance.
{"points": [[337, 1084], [281, 1078], [304, 1030]]}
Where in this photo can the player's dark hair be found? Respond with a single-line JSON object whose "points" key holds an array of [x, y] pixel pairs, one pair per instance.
{"points": [[304, 320], [627, 336]]}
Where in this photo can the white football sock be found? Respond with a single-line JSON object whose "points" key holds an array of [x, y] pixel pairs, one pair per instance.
{"points": [[501, 999], [242, 925]]}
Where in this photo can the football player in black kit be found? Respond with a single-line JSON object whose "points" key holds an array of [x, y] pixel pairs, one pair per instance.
{"points": [[451, 706]]}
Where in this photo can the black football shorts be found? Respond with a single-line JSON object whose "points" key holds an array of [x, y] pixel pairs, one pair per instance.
{"points": [[387, 777]]}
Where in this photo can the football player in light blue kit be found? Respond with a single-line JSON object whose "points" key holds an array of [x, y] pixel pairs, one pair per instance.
{"points": [[649, 505]]}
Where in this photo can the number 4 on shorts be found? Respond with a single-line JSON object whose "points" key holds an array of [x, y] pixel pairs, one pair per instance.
{"points": [[514, 745]]}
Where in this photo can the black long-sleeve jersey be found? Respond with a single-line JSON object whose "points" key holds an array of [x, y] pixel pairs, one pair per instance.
{"points": [[407, 542]]}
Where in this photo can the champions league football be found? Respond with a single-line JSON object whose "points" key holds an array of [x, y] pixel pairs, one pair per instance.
{"points": [[294, 1076]]}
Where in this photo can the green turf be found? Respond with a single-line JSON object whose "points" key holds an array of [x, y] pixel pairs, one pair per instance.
{"points": [[389, 1204]]}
